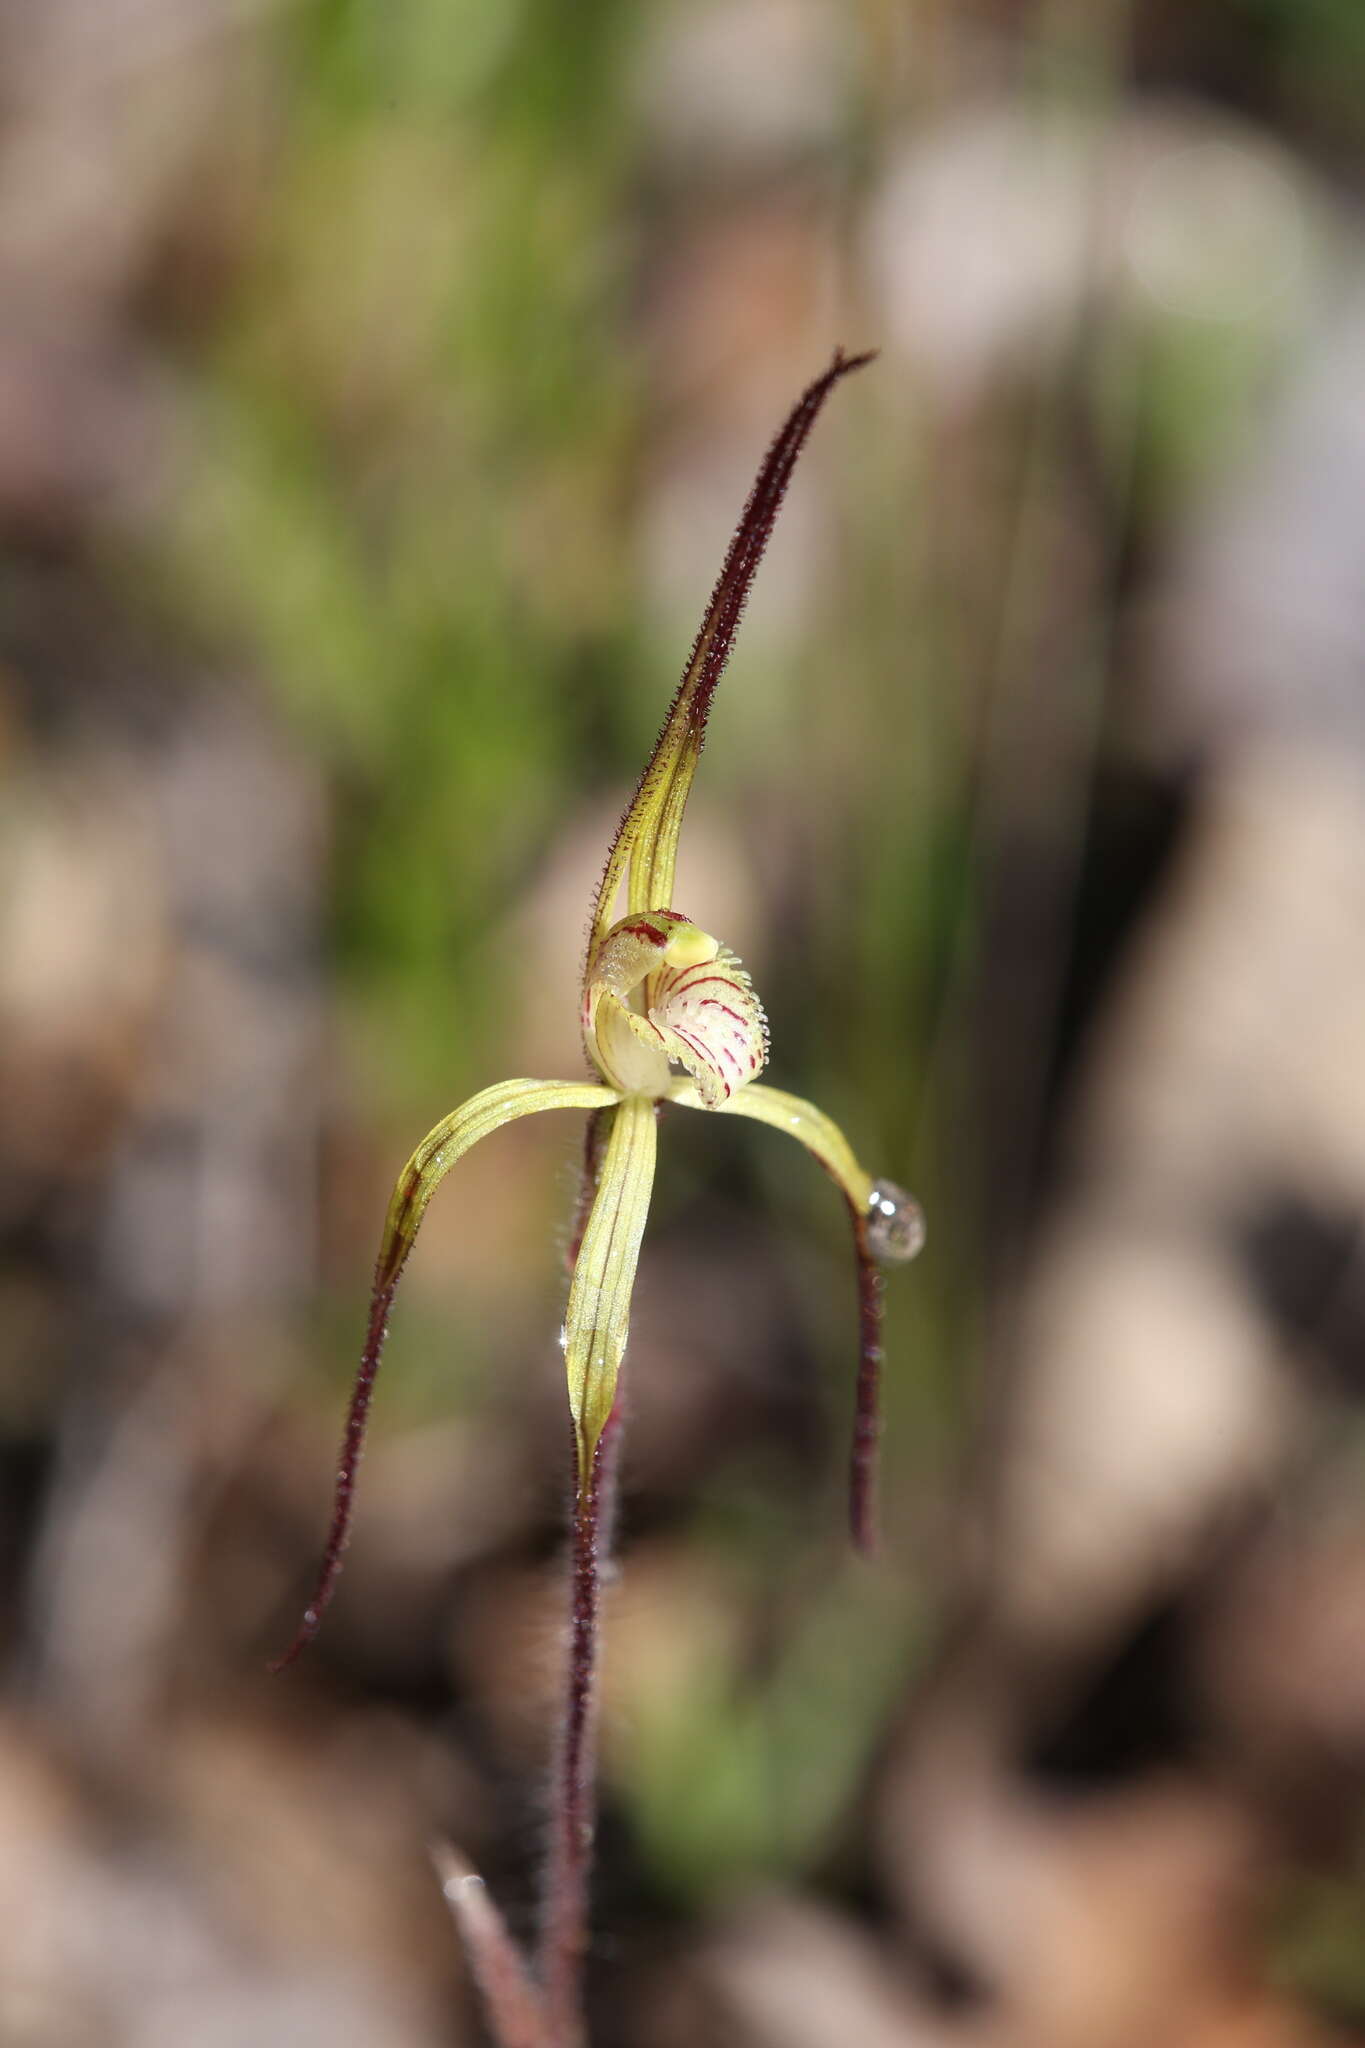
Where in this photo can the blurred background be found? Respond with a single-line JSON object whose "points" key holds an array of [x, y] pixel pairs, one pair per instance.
{"points": [[379, 383]]}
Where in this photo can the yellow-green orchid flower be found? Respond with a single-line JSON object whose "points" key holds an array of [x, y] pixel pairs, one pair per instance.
{"points": [[658, 995]]}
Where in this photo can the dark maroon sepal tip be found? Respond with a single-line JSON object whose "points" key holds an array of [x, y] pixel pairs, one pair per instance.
{"points": [[308, 1628], [352, 1444], [864, 1456]]}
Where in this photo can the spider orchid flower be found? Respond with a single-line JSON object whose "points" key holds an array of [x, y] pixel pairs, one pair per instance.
{"points": [[659, 995]]}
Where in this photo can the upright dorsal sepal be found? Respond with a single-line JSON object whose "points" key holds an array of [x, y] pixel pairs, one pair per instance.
{"points": [[644, 851]]}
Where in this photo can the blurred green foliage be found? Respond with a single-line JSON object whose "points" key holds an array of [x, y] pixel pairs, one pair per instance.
{"points": [[418, 423]]}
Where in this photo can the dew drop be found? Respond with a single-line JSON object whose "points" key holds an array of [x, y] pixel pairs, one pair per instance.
{"points": [[895, 1223]]}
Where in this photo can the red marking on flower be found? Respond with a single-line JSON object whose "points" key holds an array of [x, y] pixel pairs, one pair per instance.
{"points": [[715, 1003]]}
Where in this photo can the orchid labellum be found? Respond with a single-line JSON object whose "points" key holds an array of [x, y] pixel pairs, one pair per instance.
{"points": [[669, 1017]]}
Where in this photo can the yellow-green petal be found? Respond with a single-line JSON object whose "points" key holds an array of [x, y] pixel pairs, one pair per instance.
{"points": [[893, 1219], [802, 1120], [452, 1137], [598, 1319]]}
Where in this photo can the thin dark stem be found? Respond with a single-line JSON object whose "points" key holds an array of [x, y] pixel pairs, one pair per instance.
{"points": [[867, 1421], [564, 1935], [352, 1443]]}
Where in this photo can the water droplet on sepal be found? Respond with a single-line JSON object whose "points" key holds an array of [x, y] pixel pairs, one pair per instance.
{"points": [[895, 1223]]}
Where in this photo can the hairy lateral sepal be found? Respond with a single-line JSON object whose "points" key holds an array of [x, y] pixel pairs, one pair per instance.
{"points": [[416, 1185], [888, 1229]]}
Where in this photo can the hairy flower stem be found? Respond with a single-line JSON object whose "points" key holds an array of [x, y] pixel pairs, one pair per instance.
{"points": [[564, 1935]]}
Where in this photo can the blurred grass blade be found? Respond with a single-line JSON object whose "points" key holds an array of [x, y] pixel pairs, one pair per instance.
{"points": [[647, 838], [417, 1183], [512, 2003]]}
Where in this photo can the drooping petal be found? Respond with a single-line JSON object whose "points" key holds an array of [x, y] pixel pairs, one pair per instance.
{"points": [[647, 838], [802, 1120], [703, 1013], [597, 1321], [452, 1138], [417, 1183], [888, 1226]]}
